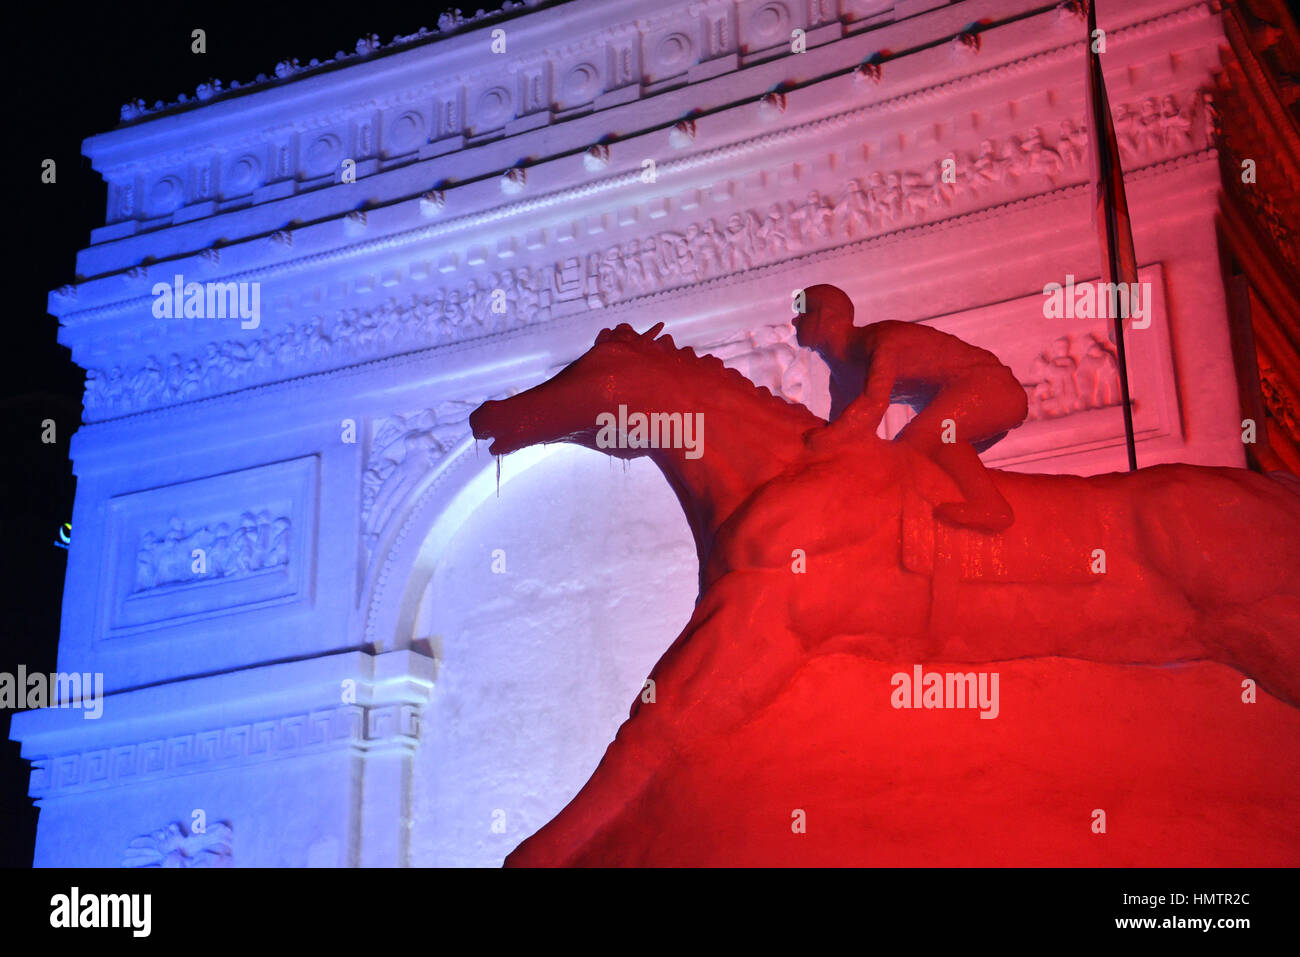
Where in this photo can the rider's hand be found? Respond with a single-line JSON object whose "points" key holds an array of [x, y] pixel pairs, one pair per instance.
{"points": [[847, 429]]}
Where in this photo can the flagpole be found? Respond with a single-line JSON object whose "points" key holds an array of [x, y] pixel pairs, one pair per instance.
{"points": [[1102, 127], [1112, 233]]}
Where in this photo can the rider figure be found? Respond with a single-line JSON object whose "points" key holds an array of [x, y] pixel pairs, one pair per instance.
{"points": [[936, 373]]}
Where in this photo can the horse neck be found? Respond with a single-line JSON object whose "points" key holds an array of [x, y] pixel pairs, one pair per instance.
{"points": [[747, 440]]}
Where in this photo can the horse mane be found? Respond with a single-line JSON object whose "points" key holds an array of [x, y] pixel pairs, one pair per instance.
{"points": [[653, 345]]}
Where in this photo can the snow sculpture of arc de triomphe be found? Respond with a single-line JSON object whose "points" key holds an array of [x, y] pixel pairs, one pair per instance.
{"points": [[382, 662]]}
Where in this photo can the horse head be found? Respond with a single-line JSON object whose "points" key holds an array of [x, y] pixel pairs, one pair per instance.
{"points": [[713, 433]]}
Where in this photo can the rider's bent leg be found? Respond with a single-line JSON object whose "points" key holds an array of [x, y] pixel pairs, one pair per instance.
{"points": [[984, 507], [981, 407]]}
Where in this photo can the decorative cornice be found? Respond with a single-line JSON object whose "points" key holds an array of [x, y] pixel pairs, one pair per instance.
{"points": [[256, 146], [493, 301], [353, 726], [718, 155], [106, 430]]}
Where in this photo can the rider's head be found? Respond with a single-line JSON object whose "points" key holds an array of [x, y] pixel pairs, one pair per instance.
{"points": [[827, 322]]}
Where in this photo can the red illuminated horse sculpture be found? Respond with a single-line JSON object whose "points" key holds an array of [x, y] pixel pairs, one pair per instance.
{"points": [[807, 549]]}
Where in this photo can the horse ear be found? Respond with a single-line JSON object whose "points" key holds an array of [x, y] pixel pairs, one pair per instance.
{"points": [[603, 336], [653, 331]]}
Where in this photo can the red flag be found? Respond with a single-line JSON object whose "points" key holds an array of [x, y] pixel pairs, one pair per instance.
{"points": [[1110, 215]]}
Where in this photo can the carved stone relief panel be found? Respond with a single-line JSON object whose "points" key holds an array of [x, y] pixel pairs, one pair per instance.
{"points": [[403, 449], [208, 547], [1070, 374], [770, 357], [171, 846]]}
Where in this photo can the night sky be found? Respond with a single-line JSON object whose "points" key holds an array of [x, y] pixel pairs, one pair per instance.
{"points": [[69, 74]]}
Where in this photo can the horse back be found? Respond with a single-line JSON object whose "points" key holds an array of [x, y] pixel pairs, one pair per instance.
{"points": [[1192, 524]]}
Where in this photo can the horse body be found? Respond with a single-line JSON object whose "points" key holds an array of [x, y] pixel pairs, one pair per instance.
{"points": [[1168, 564], [810, 546]]}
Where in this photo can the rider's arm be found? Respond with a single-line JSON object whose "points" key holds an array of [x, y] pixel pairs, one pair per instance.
{"points": [[882, 373], [866, 411]]}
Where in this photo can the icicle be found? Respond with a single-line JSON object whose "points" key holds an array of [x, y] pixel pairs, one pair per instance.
{"points": [[498, 476]]}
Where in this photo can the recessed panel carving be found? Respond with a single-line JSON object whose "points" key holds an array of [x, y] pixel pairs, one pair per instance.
{"points": [[214, 546], [1069, 371]]}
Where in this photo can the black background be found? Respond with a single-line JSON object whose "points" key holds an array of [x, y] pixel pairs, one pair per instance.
{"points": [[70, 68]]}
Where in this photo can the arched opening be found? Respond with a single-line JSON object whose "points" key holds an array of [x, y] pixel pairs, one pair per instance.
{"points": [[546, 607]]}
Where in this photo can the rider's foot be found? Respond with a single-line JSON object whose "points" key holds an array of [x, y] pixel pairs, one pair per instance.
{"points": [[991, 517]]}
